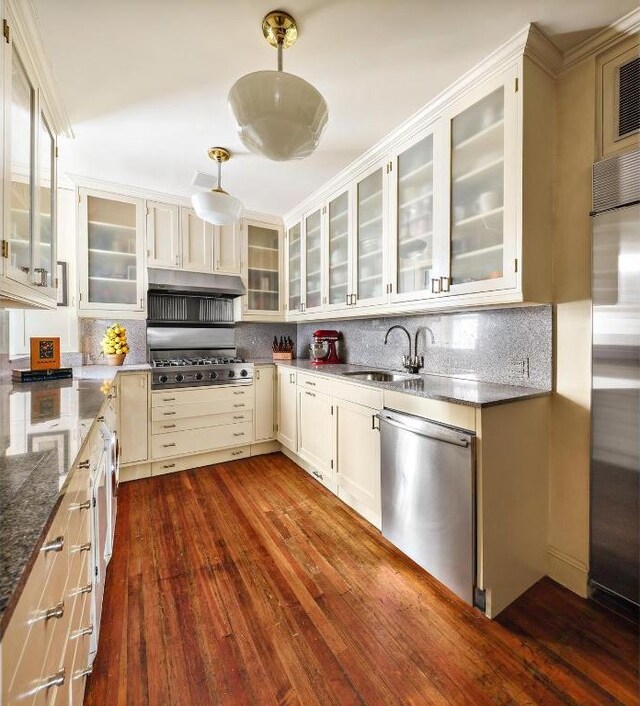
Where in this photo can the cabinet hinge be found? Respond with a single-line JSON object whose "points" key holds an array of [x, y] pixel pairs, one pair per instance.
{"points": [[516, 84], [79, 197], [80, 296], [390, 166], [515, 265], [6, 32], [332, 464], [57, 154], [332, 410], [5, 248]]}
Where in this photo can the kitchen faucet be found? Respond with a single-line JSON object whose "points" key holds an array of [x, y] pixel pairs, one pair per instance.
{"points": [[415, 344], [409, 363]]}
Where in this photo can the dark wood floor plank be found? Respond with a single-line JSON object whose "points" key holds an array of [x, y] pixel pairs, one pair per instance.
{"points": [[248, 583]]}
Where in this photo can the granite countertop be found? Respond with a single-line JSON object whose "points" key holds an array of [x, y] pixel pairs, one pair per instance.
{"points": [[43, 426], [436, 387]]}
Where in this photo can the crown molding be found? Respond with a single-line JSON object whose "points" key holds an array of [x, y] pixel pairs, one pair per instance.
{"points": [[25, 32], [624, 27]]}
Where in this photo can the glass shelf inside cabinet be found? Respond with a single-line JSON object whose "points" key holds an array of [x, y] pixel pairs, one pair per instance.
{"points": [[415, 216], [477, 191], [113, 270], [295, 274], [262, 265], [369, 236], [339, 249], [313, 225]]}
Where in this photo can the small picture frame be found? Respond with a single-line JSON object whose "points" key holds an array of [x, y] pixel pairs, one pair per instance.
{"points": [[63, 284]]}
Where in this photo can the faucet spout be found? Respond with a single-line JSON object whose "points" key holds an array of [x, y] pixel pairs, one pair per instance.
{"points": [[402, 328]]}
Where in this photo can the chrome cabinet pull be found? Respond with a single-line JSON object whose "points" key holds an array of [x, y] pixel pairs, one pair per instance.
{"points": [[55, 545], [445, 283], [292, 378], [86, 547], [311, 394], [237, 453], [435, 285], [373, 422], [168, 446], [42, 282], [241, 433], [308, 382], [56, 679], [56, 612], [238, 416], [169, 465], [241, 392], [81, 632], [317, 475], [84, 464], [168, 399], [86, 672], [238, 406], [169, 426], [86, 505], [87, 588], [168, 414], [347, 300]]}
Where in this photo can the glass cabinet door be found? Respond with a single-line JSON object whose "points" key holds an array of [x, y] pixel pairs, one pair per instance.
{"points": [[21, 212], [477, 192], [295, 267], [338, 242], [45, 240], [369, 238], [112, 251], [313, 260], [414, 218], [263, 269]]}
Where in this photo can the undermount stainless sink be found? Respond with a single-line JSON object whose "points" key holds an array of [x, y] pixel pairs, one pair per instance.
{"points": [[377, 375]]}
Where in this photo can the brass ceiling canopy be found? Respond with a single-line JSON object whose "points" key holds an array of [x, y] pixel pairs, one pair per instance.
{"points": [[219, 154], [280, 29]]}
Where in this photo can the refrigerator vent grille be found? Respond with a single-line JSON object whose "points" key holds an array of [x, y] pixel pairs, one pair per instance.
{"points": [[616, 181], [629, 98]]}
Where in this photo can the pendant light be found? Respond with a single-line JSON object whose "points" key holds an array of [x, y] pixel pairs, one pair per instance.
{"points": [[217, 206], [279, 115]]}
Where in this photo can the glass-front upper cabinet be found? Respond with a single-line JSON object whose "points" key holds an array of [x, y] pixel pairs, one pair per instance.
{"points": [[370, 256], [294, 235], [44, 242], [263, 268], [482, 190], [338, 235], [313, 260], [412, 208], [112, 229]]}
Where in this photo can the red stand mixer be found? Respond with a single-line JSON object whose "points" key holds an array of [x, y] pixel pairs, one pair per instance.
{"points": [[323, 350]]}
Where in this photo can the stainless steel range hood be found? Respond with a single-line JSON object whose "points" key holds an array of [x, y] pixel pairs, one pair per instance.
{"points": [[180, 282]]}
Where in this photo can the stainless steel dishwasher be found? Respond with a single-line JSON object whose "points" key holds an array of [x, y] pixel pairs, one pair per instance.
{"points": [[428, 497]]}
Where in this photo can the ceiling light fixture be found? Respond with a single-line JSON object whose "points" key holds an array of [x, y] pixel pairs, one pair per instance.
{"points": [[279, 115], [217, 206]]}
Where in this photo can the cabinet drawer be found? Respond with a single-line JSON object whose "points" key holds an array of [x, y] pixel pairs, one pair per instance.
{"points": [[78, 645], [197, 440], [210, 420], [205, 395], [159, 468], [314, 382], [237, 403], [367, 396]]}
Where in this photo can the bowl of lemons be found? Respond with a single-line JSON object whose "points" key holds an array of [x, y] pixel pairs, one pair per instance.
{"points": [[114, 344]]}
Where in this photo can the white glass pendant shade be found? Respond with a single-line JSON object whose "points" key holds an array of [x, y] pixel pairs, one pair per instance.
{"points": [[217, 207], [279, 115]]}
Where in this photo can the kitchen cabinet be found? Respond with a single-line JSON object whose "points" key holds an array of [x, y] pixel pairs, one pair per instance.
{"points": [[226, 249], [357, 443], [262, 267], [287, 408], [111, 272], [295, 299], [312, 247], [163, 235], [315, 432], [264, 409], [28, 252], [133, 416], [337, 268], [208, 248]]}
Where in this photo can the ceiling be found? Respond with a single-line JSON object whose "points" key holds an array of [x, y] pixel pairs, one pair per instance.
{"points": [[145, 82]]}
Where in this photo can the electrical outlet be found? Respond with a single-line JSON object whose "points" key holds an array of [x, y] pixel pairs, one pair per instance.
{"points": [[521, 365]]}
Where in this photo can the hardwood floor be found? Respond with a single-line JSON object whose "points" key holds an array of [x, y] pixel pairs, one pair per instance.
{"points": [[248, 583]]}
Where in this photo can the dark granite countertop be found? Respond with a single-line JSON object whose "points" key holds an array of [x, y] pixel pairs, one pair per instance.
{"points": [[43, 426], [436, 387]]}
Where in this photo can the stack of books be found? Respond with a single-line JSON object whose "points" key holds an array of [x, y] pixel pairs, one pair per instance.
{"points": [[39, 375]]}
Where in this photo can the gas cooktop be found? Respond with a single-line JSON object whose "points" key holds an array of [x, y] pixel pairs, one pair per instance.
{"points": [[186, 369]]}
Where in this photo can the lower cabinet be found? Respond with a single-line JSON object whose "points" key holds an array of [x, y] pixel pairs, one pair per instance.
{"points": [[287, 408], [358, 459], [265, 403], [133, 416], [315, 432]]}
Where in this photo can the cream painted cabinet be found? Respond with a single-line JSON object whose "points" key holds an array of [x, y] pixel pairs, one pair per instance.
{"points": [[339, 250], [261, 269], [227, 249], [295, 296], [197, 242], [358, 459], [287, 408], [264, 410], [315, 432], [163, 235], [312, 246], [133, 416]]}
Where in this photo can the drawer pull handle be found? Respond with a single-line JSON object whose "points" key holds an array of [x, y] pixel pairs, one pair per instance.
{"points": [[81, 506], [56, 679], [86, 547], [169, 465], [55, 545], [238, 405], [241, 392], [168, 414], [308, 382], [317, 475], [168, 399], [86, 672], [85, 589], [169, 426], [237, 453], [56, 612], [82, 632], [168, 446], [240, 433], [238, 416], [311, 394], [84, 464]]}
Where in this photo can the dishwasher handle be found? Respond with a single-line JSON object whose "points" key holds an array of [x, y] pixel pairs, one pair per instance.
{"points": [[448, 436]]}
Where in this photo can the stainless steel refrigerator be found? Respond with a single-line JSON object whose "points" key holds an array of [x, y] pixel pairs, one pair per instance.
{"points": [[615, 400]]}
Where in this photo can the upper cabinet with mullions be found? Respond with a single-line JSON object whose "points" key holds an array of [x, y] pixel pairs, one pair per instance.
{"points": [[455, 211], [28, 252]]}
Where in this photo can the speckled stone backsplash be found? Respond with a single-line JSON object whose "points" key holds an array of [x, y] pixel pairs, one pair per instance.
{"points": [[5, 367], [92, 331], [255, 340], [511, 346]]}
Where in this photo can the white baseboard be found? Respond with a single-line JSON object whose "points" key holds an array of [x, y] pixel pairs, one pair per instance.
{"points": [[567, 571]]}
